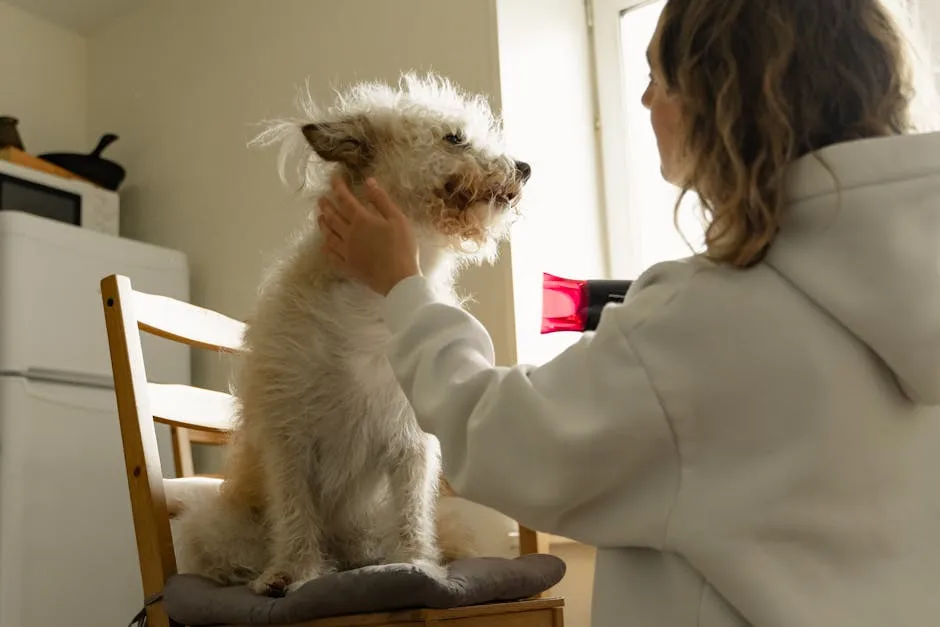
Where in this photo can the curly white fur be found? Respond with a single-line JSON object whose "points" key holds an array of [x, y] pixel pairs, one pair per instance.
{"points": [[328, 468]]}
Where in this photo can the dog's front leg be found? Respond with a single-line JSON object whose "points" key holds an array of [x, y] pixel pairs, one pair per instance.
{"points": [[296, 524], [414, 484]]}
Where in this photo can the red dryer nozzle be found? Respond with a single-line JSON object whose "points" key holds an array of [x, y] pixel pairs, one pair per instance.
{"points": [[564, 304], [576, 305]]}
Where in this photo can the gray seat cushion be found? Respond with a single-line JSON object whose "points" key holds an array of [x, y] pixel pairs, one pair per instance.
{"points": [[194, 600]]}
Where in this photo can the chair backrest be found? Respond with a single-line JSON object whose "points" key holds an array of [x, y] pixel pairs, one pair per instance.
{"points": [[187, 409], [140, 403]]}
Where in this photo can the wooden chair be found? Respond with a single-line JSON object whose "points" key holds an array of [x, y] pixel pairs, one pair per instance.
{"points": [[190, 410]]}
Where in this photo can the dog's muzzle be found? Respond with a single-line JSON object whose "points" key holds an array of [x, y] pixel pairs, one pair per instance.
{"points": [[524, 170]]}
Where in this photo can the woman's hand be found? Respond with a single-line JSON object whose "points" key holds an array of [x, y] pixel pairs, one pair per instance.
{"points": [[379, 250]]}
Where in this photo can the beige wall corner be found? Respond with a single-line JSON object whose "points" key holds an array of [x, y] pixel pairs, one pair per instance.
{"points": [[43, 82]]}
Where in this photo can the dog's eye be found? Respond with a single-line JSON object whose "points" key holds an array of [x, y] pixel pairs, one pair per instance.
{"points": [[454, 138]]}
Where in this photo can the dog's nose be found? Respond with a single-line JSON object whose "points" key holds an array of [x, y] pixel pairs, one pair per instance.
{"points": [[524, 170]]}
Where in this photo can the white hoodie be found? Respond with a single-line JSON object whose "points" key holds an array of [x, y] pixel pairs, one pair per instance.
{"points": [[745, 447]]}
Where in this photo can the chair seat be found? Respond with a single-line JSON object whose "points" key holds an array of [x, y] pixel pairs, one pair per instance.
{"points": [[470, 584], [546, 612]]}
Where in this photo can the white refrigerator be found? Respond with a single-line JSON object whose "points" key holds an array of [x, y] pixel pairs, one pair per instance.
{"points": [[67, 549]]}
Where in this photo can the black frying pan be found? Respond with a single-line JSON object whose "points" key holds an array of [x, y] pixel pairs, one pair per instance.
{"points": [[93, 167]]}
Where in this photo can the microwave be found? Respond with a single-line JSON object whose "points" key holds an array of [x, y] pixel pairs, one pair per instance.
{"points": [[56, 198]]}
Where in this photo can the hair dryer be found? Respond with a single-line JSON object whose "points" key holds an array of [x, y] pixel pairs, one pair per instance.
{"points": [[575, 305]]}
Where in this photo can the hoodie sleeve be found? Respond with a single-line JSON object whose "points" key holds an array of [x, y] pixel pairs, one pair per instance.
{"points": [[579, 447]]}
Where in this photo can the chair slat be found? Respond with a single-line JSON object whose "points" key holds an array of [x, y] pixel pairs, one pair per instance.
{"points": [[207, 437], [187, 323], [192, 407]]}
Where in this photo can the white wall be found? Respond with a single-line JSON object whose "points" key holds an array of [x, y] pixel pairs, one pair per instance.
{"points": [[548, 108], [184, 82], [43, 82]]}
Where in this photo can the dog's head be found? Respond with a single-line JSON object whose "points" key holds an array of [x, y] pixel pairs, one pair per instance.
{"points": [[437, 151]]}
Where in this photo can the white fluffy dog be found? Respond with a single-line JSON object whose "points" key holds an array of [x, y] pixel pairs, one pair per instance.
{"points": [[328, 469]]}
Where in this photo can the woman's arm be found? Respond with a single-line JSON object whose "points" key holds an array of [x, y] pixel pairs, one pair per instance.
{"points": [[579, 446]]}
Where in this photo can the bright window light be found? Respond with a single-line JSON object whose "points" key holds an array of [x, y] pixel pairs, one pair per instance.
{"points": [[650, 199]]}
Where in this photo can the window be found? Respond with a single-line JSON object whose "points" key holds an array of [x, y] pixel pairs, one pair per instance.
{"points": [[640, 228], [639, 203], [926, 17]]}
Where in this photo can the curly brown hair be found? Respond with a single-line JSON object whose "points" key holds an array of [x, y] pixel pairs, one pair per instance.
{"points": [[764, 82]]}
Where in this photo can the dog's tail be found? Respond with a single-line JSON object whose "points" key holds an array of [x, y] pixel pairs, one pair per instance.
{"points": [[219, 538], [455, 538]]}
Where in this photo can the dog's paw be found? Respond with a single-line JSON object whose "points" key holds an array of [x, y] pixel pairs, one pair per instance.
{"points": [[272, 583], [295, 585]]}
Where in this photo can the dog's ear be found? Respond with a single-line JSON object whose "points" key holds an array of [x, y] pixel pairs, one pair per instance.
{"points": [[348, 141]]}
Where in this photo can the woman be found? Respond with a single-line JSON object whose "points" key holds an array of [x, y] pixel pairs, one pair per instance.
{"points": [[753, 437]]}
